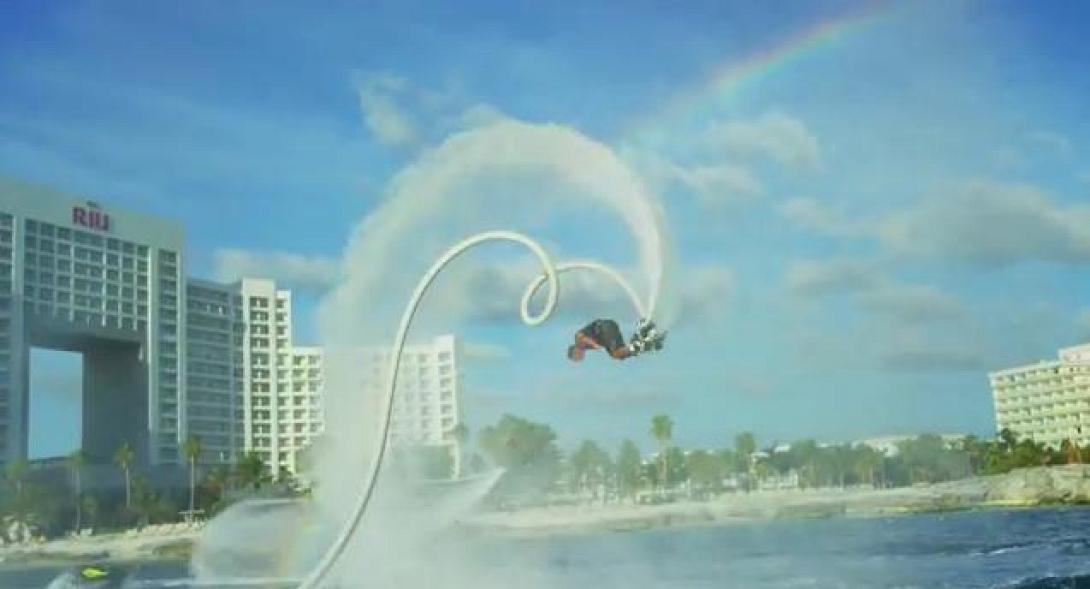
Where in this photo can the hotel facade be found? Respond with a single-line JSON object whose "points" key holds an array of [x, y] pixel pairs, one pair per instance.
{"points": [[1048, 401], [165, 356]]}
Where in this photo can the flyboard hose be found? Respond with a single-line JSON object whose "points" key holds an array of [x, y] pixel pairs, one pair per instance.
{"points": [[549, 276]]}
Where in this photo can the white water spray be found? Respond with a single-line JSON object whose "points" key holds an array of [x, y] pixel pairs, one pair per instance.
{"points": [[422, 199]]}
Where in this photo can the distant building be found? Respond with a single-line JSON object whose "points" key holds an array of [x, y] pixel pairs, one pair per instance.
{"points": [[426, 407], [1048, 401], [890, 445]]}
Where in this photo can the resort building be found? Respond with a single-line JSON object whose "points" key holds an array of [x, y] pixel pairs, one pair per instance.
{"points": [[79, 276], [1048, 401], [166, 357]]}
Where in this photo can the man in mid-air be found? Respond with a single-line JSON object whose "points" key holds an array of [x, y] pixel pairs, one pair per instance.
{"points": [[605, 334]]}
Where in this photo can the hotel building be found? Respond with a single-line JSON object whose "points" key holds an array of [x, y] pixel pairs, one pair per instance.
{"points": [[166, 357], [80, 277], [1048, 401]]}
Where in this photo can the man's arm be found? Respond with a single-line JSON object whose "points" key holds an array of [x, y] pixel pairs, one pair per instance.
{"points": [[585, 342]]}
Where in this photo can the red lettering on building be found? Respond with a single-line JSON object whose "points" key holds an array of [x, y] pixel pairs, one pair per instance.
{"points": [[91, 217]]}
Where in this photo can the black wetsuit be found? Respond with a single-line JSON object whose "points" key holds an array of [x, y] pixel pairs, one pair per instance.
{"points": [[605, 333]]}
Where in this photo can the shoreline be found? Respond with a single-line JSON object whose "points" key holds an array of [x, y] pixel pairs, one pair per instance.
{"points": [[1020, 489], [1030, 488]]}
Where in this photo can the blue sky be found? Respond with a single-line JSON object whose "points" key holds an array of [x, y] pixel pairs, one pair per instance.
{"points": [[861, 234]]}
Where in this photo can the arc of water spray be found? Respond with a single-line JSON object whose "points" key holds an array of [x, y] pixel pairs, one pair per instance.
{"points": [[548, 276]]}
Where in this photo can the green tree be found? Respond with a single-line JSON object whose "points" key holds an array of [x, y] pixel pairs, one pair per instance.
{"points": [[527, 450], [15, 472], [975, 450], [90, 509], [124, 457], [662, 429], [1008, 439], [191, 449], [76, 461], [149, 506], [251, 471], [745, 445], [678, 469], [706, 470], [23, 501], [866, 462], [806, 459], [215, 486], [628, 469], [590, 467]]}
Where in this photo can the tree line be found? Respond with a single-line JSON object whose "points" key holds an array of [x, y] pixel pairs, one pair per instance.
{"points": [[31, 501], [537, 469]]}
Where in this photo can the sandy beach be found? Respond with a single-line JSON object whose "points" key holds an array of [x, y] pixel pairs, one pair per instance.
{"points": [[1019, 488]]}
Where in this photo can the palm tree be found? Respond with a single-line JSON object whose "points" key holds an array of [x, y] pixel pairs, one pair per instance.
{"points": [[192, 451], [76, 460], [124, 458], [662, 429], [90, 507], [251, 470]]}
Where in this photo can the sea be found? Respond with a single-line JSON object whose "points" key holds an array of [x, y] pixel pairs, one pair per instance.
{"points": [[1039, 548]]}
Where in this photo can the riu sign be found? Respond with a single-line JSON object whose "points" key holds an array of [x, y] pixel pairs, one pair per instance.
{"points": [[91, 217]]}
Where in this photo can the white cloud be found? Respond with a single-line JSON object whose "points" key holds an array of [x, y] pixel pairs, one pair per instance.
{"points": [[911, 303], [810, 214], [311, 273], [991, 223], [813, 278], [983, 223], [773, 135], [719, 185], [384, 113], [875, 292], [480, 115]]}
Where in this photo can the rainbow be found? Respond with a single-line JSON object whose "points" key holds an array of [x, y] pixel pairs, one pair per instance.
{"points": [[734, 76]]}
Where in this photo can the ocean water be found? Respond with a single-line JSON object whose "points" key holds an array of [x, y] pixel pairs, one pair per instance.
{"points": [[1043, 548]]}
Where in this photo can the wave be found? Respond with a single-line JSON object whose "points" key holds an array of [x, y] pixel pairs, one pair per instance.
{"points": [[1081, 581]]}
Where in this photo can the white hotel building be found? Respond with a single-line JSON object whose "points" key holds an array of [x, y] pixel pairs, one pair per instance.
{"points": [[1048, 401], [165, 357]]}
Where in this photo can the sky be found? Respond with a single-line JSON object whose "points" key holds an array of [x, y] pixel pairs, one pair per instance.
{"points": [[870, 204]]}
